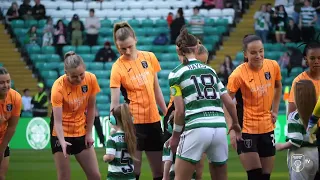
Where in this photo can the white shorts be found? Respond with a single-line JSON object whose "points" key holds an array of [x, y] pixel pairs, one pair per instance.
{"points": [[212, 141], [303, 163]]}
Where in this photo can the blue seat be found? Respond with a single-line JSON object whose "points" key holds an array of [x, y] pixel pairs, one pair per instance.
{"points": [[108, 65], [87, 57], [104, 82], [53, 58]]}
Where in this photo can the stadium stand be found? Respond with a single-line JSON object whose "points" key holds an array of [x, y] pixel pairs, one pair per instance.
{"points": [[146, 17]]}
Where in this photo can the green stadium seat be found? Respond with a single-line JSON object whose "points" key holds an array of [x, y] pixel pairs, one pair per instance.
{"points": [[35, 49], [53, 58], [68, 48], [158, 49], [103, 99], [104, 82], [104, 113], [145, 40], [239, 56], [273, 55], [61, 72], [17, 24], [211, 40], [301, 47], [87, 57], [102, 40], [209, 22], [236, 63], [26, 114], [29, 23], [267, 47], [50, 66], [95, 66], [20, 32], [222, 22], [49, 82], [122, 100], [291, 44], [40, 32], [108, 66], [167, 65], [49, 74], [147, 23], [296, 71], [106, 23], [105, 90], [288, 80], [35, 58], [221, 30], [171, 49], [284, 73], [103, 106], [210, 30], [1, 65], [95, 49], [48, 50], [140, 32], [163, 82], [278, 47], [117, 20], [105, 32], [134, 23], [169, 57], [42, 23], [83, 50], [145, 48], [161, 23], [164, 74]]}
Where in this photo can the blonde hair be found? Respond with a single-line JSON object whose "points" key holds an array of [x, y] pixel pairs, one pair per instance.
{"points": [[305, 99], [125, 122], [121, 31], [202, 49], [72, 60]]}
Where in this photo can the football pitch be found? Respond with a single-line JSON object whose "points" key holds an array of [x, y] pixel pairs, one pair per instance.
{"points": [[33, 164]]}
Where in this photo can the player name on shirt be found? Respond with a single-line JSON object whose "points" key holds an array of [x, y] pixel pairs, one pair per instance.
{"points": [[196, 66]]}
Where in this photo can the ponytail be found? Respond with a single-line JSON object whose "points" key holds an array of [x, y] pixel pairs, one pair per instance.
{"points": [[125, 121], [121, 31]]}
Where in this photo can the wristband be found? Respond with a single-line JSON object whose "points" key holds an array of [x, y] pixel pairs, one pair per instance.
{"points": [[177, 128]]}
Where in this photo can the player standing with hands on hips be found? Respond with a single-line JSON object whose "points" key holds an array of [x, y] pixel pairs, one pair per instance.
{"points": [[71, 96], [198, 98], [10, 107], [256, 84]]}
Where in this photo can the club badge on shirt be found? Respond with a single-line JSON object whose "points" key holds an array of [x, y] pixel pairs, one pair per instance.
{"points": [[144, 64], [84, 88], [9, 107], [267, 75]]}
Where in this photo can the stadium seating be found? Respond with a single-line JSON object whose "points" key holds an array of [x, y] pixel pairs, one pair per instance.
{"points": [[146, 17]]}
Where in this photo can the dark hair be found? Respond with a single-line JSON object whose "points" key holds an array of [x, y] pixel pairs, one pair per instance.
{"points": [[91, 10], [308, 46], [3, 71], [25, 90], [196, 8], [248, 39], [186, 43]]}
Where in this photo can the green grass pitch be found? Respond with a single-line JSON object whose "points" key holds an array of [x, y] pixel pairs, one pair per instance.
{"points": [[32, 164]]}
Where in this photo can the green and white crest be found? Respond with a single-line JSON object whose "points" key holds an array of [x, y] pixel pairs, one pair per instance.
{"points": [[38, 133], [173, 91]]}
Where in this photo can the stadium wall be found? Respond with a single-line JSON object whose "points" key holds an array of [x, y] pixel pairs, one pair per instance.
{"points": [[34, 133]]}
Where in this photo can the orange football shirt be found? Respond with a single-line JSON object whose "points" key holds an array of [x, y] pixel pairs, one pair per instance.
{"points": [[257, 89], [136, 82], [74, 101], [304, 76], [9, 107]]}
